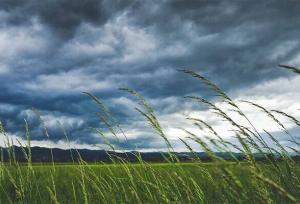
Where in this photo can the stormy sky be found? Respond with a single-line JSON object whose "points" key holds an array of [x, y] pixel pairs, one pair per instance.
{"points": [[52, 51]]}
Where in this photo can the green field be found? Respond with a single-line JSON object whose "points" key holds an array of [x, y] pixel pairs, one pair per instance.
{"points": [[227, 182]]}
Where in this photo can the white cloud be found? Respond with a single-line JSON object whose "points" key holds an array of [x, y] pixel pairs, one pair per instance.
{"points": [[122, 41], [22, 40], [62, 144], [91, 41], [51, 121], [279, 94], [115, 37], [68, 82], [139, 44], [19, 43]]}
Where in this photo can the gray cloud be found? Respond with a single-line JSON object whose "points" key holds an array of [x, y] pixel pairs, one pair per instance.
{"points": [[51, 51], [62, 16]]}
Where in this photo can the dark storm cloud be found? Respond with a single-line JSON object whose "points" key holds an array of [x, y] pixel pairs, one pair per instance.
{"points": [[62, 16], [51, 51]]}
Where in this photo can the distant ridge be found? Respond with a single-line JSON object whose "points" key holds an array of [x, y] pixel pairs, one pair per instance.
{"points": [[42, 154]]}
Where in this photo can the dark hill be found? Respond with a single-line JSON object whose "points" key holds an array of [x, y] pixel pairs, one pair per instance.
{"points": [[41, 154]]}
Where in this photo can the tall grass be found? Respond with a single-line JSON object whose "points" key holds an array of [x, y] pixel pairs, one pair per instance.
{"points": [[275, 180]]}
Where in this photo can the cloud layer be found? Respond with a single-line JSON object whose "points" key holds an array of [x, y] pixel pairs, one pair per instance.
{"points": [[52, 51]]}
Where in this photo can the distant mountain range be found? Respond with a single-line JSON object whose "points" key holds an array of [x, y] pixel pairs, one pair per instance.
{"points": [[42, 154]]}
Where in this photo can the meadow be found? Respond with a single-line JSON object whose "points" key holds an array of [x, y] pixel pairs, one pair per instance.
{"points": [[149, 183], [273, 179]]}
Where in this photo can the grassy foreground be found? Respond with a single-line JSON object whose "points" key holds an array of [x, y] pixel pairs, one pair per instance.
{"points": [[149, 183], [275, 180]]}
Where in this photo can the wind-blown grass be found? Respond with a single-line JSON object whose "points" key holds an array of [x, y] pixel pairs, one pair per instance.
{"points": [[276, 179]]}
